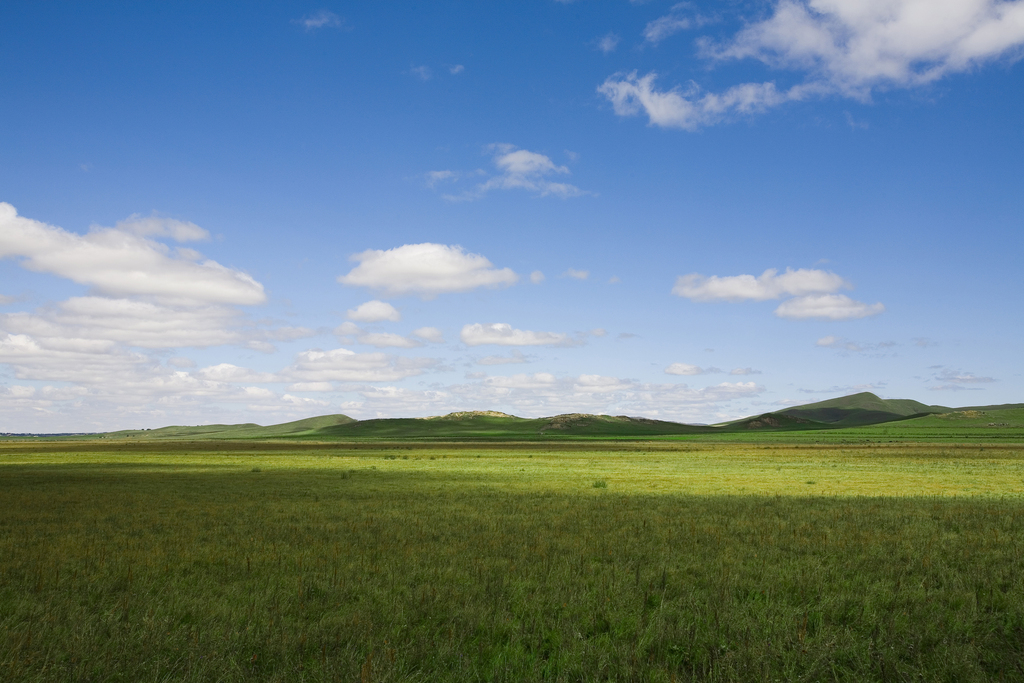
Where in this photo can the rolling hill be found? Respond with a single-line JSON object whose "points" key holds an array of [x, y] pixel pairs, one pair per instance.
{"points": [[862, 411]]}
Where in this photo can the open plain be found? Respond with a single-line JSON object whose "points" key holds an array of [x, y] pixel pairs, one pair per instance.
{"points": [[126, 560]]}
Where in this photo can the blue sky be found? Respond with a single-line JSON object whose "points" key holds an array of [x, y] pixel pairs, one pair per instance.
{"points": [[695, 211]]}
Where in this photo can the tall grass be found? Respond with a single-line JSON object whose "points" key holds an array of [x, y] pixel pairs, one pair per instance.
{"points": [[345, 568]]}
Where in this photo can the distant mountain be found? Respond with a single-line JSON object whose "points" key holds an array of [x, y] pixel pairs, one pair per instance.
{"points": [[856, 410]]}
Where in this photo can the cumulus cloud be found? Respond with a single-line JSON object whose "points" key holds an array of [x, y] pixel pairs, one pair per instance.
{"points": [[838, 47], [456, 69], [503, 334], [853, 47], [827, 307], [744, 371], [536, 277], [769, 285], [374, 311], [812, 292], [425, 269], [577, 274], [125, 262], [521, 169]]}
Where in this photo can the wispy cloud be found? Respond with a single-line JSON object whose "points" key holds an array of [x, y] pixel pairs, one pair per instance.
{"points": [[423, 72], [517, 169], [503, 334], [842, 344], [687, 369], [679, 18], [321, 19], [607, 43]]}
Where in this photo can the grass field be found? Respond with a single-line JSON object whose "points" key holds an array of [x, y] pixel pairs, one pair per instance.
{"points": [[464, 562]]}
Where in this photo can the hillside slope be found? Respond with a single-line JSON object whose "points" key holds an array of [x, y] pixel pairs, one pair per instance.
{"points": [[860, 409]]}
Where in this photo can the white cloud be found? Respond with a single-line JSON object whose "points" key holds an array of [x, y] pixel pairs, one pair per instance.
{"points": [[425, 269], [320, 19], [456, 69], [374, 311], [683, 369], [226, 372], [429, 334], [827, 307], [812, 291], [663, 27], [845, 47], [744, 371], [503, 334], [577, 274], [769, 285], [536, 277], [144, 324], [853, 47], [311, 386], [689, 109], [122, 262], [129, 322], [387, 339], [342, 365], [608, 42], [521, 169]]}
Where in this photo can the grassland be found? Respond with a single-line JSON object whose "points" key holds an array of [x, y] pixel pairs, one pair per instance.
{"points": [[225, 561]]}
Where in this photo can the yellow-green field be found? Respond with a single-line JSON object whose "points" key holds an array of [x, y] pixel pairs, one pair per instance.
{"points": [[631, 562]]}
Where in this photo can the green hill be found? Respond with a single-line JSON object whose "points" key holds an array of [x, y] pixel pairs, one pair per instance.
{"points": [[490, 425], [860, 409], [862, 415]]}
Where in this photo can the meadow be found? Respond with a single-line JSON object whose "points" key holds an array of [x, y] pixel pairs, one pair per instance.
{"points": [[586, 561]]}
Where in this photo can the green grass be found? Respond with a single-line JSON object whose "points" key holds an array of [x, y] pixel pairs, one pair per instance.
{"points": [[322, 562]]}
